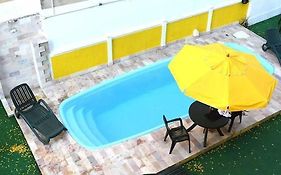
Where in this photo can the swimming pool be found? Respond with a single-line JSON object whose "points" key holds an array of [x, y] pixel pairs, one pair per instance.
{"points": [[123, 108], [130, 105]]}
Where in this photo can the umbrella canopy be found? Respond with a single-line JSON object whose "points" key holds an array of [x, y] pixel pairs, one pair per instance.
{"points": [[222, 77]]}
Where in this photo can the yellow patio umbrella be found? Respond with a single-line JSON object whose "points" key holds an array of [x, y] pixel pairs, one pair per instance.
{"points": [[222, 77]]}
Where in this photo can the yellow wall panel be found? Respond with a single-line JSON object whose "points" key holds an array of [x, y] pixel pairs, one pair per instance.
{"points": [[227, 15], [83, 58], [182, 28], [136, 42], [78, 60]]}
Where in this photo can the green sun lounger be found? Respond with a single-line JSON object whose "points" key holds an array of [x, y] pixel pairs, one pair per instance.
{"points": [[37, 114], [273, 42]]}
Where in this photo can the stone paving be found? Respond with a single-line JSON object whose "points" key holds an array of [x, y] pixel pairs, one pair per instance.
{"points": [[147, 153]]}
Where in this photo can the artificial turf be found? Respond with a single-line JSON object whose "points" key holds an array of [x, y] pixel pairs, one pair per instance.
{"points": [[255, 152], [15, 155], [261, 27]]}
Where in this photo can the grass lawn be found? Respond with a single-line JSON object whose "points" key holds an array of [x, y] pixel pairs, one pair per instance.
{"points": [[261, 27], [15, 155], [255, 152]]}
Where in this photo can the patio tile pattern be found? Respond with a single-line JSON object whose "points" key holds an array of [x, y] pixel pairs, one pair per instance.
{"points": [[148, 153]]}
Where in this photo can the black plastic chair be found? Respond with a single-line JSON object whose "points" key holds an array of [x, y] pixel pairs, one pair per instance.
{"points": [[233, 116], [37, 114], [177, 134], [273, 42]]}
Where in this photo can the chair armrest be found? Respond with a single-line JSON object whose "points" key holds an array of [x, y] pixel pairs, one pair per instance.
{"points": [[45, 105], [174, 120]]}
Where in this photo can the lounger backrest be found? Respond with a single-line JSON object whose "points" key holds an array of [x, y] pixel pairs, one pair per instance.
{"points": [[22, 97]]}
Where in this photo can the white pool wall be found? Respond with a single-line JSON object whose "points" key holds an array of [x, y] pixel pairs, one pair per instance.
{"points": [[85, 27]]}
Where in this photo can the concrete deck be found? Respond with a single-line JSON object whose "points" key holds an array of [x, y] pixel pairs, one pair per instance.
{"points": [[148, 153]]}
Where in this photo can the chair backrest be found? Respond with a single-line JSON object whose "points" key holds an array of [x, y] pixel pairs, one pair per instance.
{"points": [[22, 96], [166, 123]]}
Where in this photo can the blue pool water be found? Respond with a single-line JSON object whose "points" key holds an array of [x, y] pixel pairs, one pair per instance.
{"points": [[130, 105], [125, 107]]}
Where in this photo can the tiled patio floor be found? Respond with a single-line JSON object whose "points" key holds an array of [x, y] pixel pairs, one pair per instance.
{"points": [[148, 153]]}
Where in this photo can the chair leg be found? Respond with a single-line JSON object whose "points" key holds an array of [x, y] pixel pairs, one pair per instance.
{"points": [[191, 127], [42, 138], [166, 135], [189, 149], [265, 47], [240, 117], [205, 137], [219, 130], [16, 113], [230, 125], [45, 141], [172, 146]]}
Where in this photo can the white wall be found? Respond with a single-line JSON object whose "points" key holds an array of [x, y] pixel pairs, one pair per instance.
{"points": [[71, 7], [263, 9], [92, 25], [18, 8]]}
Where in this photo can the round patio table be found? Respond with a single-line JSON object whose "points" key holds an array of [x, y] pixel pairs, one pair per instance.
{"points": [[206, 117]]}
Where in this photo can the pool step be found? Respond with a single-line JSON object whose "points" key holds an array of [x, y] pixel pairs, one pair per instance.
{"points": [[74, 127], [90, 130]]}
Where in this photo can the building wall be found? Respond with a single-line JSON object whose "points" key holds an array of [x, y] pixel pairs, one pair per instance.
{"points": [[16, 62], [18, 8], [263, 9], [81, 59]]}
